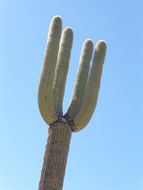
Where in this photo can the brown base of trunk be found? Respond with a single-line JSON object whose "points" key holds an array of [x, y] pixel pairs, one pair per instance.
{"points": [[55, 158]]}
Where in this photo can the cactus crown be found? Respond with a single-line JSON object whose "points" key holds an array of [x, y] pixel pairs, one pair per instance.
{"points": [[54, 73]]}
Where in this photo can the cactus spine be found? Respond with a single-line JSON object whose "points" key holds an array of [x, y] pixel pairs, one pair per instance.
{"points": [[51, 93]]}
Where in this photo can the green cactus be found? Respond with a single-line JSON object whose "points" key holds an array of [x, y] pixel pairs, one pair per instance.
{"points": [[51, 93]]}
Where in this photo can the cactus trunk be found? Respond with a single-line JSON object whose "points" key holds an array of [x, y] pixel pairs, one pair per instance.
{"points": [[55, 158]]}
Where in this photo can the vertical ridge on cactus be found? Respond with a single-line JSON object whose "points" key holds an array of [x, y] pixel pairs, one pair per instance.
{"points": [[50, 98]]}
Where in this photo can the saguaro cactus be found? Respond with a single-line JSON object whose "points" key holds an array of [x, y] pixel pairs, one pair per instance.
{"points": [[51, 93]]}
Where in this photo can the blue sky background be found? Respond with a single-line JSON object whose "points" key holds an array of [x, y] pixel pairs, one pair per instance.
{"points": [[107, 154]]}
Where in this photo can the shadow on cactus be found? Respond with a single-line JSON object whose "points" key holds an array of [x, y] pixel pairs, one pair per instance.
{"points": [[51, 93]]}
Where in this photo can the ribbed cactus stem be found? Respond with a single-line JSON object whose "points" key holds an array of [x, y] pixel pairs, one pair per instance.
{"points": [[62, 70], [92, 89], [45, 91], [81, 80]]}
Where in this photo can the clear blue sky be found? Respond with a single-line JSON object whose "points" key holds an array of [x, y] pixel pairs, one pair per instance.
{"points": [[107, 154]]}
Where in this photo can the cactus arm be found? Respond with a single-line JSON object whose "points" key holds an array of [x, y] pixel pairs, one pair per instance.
{"points": [[91, 95], [62, 70], [81, 80], [47, 75]]}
